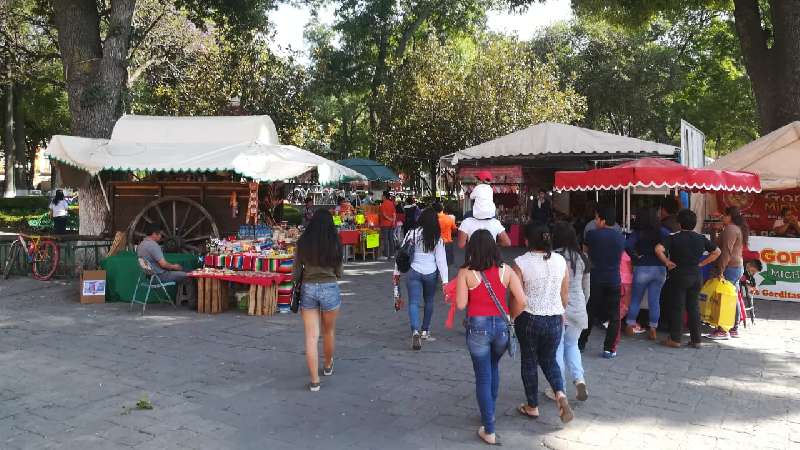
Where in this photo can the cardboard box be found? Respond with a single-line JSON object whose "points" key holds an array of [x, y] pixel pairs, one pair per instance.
{"points": [[93, 286]]}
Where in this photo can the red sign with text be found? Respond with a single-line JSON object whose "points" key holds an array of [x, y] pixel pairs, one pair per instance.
{"points": [[762, 209]]}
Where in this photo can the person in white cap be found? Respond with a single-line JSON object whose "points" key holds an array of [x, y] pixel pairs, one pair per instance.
{"points": [[483, 214]]}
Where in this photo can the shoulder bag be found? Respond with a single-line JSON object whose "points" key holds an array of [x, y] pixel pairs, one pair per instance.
{"points": [[513, 343], [297, 290], [405, 256]]}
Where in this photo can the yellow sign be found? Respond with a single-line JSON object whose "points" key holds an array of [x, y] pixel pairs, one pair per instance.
{"points": [[373, 240], [337, 220], [360, 219]]}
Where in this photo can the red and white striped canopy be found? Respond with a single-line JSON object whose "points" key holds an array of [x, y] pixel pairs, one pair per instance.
{"points": [[659, 174]]}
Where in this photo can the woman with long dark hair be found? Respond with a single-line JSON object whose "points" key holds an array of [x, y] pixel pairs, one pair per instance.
{"points": [[487, 330], [429, 262], [735, 237], [568, 356], [545, 279], [59, 211], [649, 273], [318, 261]]}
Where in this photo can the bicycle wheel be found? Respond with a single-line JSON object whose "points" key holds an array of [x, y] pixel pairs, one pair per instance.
{"points": [[45, 260], [11, 259]]}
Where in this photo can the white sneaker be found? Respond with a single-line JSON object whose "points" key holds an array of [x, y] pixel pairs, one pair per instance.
{"points": [[426, 336]]}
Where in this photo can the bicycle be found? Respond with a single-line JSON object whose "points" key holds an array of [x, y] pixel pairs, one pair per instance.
{"points": [[40, 252]]}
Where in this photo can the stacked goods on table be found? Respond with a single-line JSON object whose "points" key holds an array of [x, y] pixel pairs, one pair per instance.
{"points": [[254, 262]]}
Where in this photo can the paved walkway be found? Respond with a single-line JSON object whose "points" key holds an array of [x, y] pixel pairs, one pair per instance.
{"points": [[71, 375]]}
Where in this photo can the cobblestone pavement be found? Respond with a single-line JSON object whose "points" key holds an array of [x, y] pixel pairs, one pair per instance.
{"points": [[71, 375]]}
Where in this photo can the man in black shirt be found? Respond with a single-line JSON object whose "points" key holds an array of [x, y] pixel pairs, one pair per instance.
{"points": [[682, 253]]}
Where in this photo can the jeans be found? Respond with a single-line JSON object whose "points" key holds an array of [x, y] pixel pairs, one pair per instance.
{"points": [[538, 341], [685, 290], [487, 338], [172, 275], [448, 251], [603, 305], [568, 356], [734, 274], [648, 279], [388, 242], [420, 286]]}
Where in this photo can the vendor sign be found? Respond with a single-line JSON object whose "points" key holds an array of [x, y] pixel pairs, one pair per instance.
{"points": [[500, 174], [762, 209], [780, 279]]}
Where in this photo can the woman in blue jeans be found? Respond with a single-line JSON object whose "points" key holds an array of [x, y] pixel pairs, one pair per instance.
{"points": [[649, 273], [730, 265], [318, 260], [545, 280], [576, 318], [487, 329], [428, 264]]}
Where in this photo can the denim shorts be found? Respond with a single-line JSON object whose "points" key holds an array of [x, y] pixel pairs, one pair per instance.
{"points": [[322, 296]]}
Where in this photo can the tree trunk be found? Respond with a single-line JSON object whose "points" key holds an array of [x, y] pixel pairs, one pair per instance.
{"points": [[8, 138], [774, 70], [20, 144], [96, 74]]}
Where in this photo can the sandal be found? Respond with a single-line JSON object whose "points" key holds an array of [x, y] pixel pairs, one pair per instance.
{"points": [[484, 437], [524, 411], [565, 412]]}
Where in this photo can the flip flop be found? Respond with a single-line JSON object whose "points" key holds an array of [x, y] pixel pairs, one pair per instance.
{"points": [[565, 410], [496, 438], [522, 410]]}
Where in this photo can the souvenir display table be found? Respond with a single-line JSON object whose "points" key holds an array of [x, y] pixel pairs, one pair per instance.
{"points": [[212, 290], [262, 259]]}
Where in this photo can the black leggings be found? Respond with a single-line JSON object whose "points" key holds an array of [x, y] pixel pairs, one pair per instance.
{"points": [[684, 294]]}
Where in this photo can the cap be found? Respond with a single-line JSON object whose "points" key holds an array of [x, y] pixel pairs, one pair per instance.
{"points": [[485, 175]]}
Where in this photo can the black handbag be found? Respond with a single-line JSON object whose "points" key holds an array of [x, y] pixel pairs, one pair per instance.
{"points": [[405, 256], [296, 291], [513, 343]]}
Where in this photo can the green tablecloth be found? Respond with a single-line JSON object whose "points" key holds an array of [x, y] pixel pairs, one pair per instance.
{"points": [[122, 271]]}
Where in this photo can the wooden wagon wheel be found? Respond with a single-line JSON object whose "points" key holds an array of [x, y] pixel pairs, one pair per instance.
{"points": [[186, 223]]}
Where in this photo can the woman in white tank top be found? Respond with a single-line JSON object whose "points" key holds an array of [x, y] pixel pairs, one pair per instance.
{"points": [[539, 327]]}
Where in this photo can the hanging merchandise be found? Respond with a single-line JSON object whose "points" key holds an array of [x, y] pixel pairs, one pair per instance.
{"points": [[234, 203], [252, 204]]}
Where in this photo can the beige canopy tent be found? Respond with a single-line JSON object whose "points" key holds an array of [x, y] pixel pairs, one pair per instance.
{"points": [[550, 138], [247, 145], [774, 157]]}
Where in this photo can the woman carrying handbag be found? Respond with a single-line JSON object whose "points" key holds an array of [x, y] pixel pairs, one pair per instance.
{"points": [[317, 269], [481, 289]]}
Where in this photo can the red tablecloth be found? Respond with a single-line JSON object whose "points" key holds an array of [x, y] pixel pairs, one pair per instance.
{"points": [[350, 237], [258, 278], [515, 234]]}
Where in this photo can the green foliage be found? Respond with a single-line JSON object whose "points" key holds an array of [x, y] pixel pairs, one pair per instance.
{"points": [[642, 81], [455, 95], [33, 203]]}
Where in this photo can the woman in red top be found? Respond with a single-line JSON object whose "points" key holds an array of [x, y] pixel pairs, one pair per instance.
{"points": [[487, 333]]}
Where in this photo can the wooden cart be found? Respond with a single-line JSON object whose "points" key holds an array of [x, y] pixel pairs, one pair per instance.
{"points": [[191, 212]]}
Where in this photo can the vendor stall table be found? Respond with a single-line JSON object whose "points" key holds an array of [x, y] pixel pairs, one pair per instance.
{"points": [[122, 271], [263, 290]]}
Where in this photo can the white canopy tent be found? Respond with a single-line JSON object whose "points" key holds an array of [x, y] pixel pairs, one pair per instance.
{"points": [[247, 145], [556, 138], [773, 157]]}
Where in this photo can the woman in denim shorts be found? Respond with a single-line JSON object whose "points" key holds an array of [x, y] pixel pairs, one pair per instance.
{"points": [[487, 329], [319, 255]]}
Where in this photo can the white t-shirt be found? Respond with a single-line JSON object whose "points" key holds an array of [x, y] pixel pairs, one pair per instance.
{"points": [[426, 263], [60, 209], [471, 225]]}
